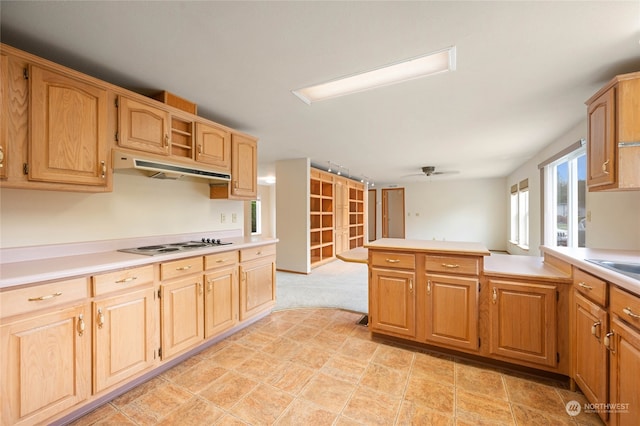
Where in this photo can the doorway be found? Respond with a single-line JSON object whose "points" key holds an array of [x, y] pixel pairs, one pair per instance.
{"points": [[393, 213], [372, 219]]}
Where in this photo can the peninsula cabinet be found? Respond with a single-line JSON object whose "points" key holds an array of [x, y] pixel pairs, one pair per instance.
{"points": [[392, 293], [257, 280], [221, 303], [45, 344], [143, 126], [613, 144], [452, 286], [523, 321]]}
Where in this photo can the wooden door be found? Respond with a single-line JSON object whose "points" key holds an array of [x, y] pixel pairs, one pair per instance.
{"points": [[601, 149], [452, 311], [124, 338], [213, 146], [590, 355], [182, 305], [393, 213], [46, 365], [523, 323], [257, 287], [220, 301], [68, 129], [143, 127], [244, 167], [392, 301], [625, 365]]}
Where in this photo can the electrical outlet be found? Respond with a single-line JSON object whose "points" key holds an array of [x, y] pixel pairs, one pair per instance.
{"points": [[223, 218], [234, 218]]}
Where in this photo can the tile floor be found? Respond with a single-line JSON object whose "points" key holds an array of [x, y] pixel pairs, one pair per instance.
{"points": [[317, 367]]}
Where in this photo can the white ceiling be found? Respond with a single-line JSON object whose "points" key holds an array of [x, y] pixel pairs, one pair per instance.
{"points": [[524, 70]]}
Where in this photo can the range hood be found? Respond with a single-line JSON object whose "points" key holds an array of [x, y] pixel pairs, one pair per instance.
{"points": [[164, 169]]}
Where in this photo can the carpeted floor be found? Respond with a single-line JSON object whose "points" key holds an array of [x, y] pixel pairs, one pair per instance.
{"points": [[336, 284]]}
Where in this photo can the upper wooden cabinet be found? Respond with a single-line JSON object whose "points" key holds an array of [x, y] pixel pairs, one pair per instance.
{"points": [[213, 146], [613, 145], [68, 129], [244, 171], [142, 126], [4, 114]]}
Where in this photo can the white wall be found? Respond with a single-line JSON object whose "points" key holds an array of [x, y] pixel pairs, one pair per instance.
{"points": [[615, 216], [138, 206], [455, 210]]}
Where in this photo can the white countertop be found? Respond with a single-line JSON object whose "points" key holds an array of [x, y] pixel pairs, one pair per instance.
{"points": [[16, 273], [453, 247], [506, 265]]}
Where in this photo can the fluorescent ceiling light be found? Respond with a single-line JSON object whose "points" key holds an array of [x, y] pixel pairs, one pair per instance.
{"points": [[422, 66]]}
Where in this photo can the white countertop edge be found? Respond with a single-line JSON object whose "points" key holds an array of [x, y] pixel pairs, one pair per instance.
{"points": [[63, 267], [577, 256]]}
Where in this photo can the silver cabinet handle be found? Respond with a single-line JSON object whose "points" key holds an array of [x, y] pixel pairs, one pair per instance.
{"points": [[595, 329], [100, 318], [126, 280], [48, 296], [586, 287], [605, 167], [607, 341], [410, 286], [392, 260], [450, 265], [428, 286], [183, 268], [628, 311], [103, 170], [494, 297]]}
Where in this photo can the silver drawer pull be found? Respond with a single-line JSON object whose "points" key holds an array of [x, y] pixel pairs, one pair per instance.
{"points": [[221, 260], [450, 265], [126, 280], [583, 285], [595, 329], [630, 313], [183, 268], [393, 260], [259, 253], [48, 296]]}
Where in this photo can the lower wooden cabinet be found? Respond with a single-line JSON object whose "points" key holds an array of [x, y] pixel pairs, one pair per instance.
{"points": [[625, 365], [257, 286], [392, 302], [523, 323], [220, 300], [452, 311], [124, 339], [182, 317], [46, 364]]}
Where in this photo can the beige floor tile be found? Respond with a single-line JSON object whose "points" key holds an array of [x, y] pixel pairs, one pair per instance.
{"points": [[262, 406], [476, 407], [415, 414], [138, 391], [527, 416], [372, 408], [231, 356], [480, 381], [229, 420], [329, 392], [208, 352], [156, 404], [433, 395], [256, 340], [340, 327], [277, 327], [258, 365], [437, 368], [384, 379], [282, 348], [538, 396], [199, 376], [312, 356], [358, 348], [99, 414], [345, 421], [290, 377], [302, 333], [302, 412], [115, 419], [195, 412], [329, 341], [393, 357], [583, 418], [345, 368], [228, 389], [182, 367]]}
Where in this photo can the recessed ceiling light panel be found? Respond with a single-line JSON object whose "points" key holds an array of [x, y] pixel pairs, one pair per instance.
{"points": [[410, 69]]}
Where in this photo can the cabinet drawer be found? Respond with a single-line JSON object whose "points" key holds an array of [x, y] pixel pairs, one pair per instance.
{"points": [[29, 299], [452, 264], [393, 260], [180, 268], [257, 252], [626, 306], [592, 287], [118, 280], [220, 259]]}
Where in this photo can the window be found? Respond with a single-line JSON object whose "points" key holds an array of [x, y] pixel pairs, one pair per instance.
{"points": [[564, 199], [256, 226], [520, 214]]}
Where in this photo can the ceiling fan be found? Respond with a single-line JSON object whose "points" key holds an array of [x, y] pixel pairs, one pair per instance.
{"points": [[429, 171]]}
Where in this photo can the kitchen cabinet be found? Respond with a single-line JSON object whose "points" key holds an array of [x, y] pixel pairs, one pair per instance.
{"points": [[613, 144], [257, 280], [44, 334], [143, 126], [244, 171], [623, 342], [4, 113], [452, 301], [213, 146], [221, 300], [125, 339], [392, 293], [181, 305], [589, 324], [522, 321]]}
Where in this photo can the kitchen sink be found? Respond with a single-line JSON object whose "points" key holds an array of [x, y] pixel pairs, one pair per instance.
{"points": [[629, 269]]}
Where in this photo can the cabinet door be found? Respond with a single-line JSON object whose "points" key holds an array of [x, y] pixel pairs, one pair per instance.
{"points": [[244, 167], [625, 365], [220, 301], [182, 305], [46, 365], [392, 302], [213, 146], [601, 140], [452, 311], [590, 362], [124, 337], [68, 129], [143, 127], [4, 113], [257, 287], [522, 320]]}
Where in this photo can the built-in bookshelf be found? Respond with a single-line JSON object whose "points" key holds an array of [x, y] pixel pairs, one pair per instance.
{"points": [[321, 217]]}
